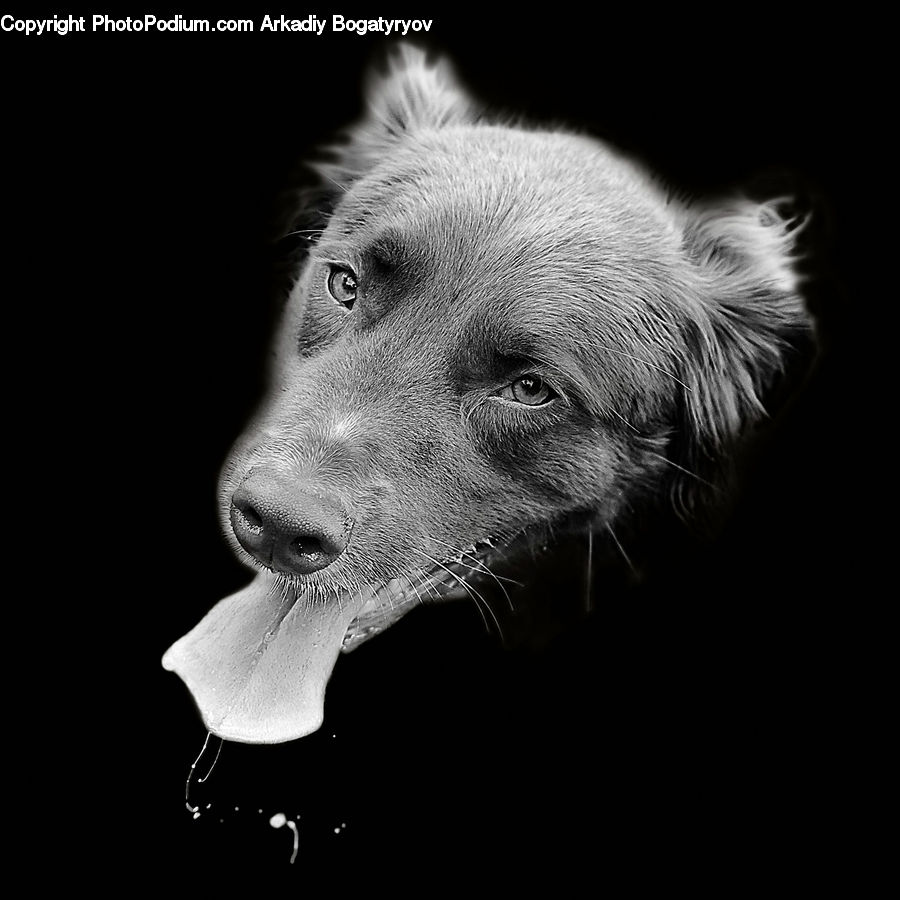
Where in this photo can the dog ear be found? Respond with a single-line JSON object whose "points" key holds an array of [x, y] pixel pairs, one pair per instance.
{"points": [[750, 319], [408, 95]]}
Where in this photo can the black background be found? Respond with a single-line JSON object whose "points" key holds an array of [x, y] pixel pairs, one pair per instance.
{"points": [[696, 727]]}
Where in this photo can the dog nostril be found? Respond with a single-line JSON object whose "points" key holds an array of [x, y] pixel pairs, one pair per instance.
{"points": [[248, 516], [307, 546], [253, 518], [310, 548]]}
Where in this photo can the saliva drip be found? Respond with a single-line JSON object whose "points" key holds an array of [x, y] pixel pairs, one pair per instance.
{"points": [[279, 820], [187, 785]]}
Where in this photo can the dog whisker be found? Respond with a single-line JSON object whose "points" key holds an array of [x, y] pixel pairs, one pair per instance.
{"points": [[304, 231], [429, 586], [646, 363], [618, 543], [482, 567], [337, 592], [665, 459], [618, 415], [415, 589], [468, 415], [472, 592], [320, 171], [590, 570]]}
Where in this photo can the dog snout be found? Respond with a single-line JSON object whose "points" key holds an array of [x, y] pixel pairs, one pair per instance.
{"points": [[285, 526]]}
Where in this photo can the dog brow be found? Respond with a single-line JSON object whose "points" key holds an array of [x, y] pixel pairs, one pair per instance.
{"points": [[383, 255], [389, 250]]}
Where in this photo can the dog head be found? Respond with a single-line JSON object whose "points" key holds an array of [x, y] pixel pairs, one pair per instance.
{"points": [[499, 328]]}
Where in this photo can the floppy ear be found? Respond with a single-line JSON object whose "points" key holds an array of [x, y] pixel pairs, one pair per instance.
{"points": [[409, 95], [747, 323]]}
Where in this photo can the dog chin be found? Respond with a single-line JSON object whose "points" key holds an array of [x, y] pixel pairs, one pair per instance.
{"points": [[259, 662]]}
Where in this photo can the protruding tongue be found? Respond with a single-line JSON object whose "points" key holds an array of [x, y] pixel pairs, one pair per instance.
{"points": [[259, 661]]}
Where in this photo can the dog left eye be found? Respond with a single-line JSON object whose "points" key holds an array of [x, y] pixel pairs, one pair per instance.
{"points": [[342, 286], [529, 390]]}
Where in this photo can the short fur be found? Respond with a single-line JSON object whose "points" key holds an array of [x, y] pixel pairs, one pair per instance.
{"points": [[487, 250]]}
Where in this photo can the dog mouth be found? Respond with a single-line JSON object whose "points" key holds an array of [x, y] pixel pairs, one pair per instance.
{"points": [[446, 579], [258, 663]]}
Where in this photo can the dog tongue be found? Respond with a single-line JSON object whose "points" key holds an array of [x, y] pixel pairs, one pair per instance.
{"points": [[258, 662]]}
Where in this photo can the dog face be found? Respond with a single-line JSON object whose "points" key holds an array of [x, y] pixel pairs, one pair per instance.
{"points": [[498, 329]]}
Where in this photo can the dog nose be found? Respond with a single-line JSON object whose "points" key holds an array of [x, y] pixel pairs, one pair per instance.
{"points": [[285, 527]]}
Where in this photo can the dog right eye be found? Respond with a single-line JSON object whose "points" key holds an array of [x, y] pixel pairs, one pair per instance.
{"points": [[342, 285], [529, 390]]}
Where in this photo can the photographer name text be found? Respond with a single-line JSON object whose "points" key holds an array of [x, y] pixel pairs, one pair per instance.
{"points": [[311, 24]]}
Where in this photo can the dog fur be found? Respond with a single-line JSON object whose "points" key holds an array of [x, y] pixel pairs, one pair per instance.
{"points": [[483, 251]]}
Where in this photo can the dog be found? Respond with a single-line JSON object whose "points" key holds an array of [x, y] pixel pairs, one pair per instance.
{"points": [[500, 329]]}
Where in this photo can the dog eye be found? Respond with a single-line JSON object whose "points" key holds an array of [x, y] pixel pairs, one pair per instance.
{"points": [[342, 286], [530, 390]]}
